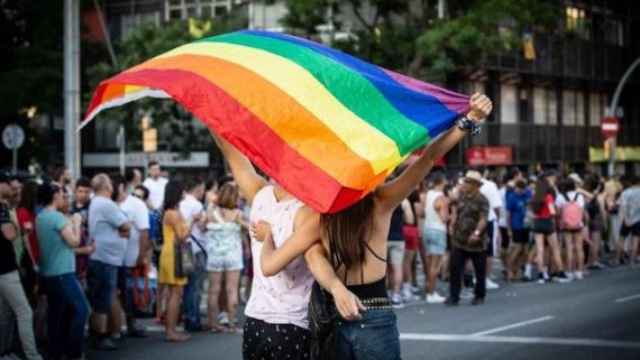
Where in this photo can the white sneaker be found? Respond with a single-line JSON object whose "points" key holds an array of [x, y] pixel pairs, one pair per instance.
{"points": [[396, 301], [466, 294], [435, 298], [492, 285], [407, 295], [578, 275], [527, 271], [223, 318]]}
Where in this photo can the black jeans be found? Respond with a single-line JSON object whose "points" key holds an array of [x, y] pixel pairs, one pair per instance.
{"points": [[456, 266]]}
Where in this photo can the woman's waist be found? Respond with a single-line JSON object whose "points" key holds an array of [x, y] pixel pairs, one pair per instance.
{"points": [[374, 293]]}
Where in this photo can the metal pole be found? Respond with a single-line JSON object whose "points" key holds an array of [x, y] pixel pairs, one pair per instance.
{"points": [[612, 111], [15, 160], [72, 85], [122, 140]]}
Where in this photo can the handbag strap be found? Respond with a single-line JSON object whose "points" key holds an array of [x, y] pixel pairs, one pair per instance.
{"points": [[193, 238]]}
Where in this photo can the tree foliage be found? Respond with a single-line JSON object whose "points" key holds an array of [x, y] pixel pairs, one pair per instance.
{"points": [[141, 44], [408, 35]]}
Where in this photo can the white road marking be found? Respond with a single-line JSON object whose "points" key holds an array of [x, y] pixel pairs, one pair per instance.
{"points": [[513, 326], [522, 340], [628, 298]]}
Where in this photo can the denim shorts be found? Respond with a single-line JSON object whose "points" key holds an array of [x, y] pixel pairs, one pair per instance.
{"points": [[435, 241], [102, 281], [375, 336]]}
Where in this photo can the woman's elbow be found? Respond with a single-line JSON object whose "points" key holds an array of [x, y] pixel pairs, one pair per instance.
{"points": [[268, 270]]}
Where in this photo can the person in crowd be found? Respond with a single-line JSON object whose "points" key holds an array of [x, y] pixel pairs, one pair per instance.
{"points": [[133, 177], [137, 255], [434, 234], [155, 238], [570, 204], [175, 231], [491, 192], [630, 216], [192, 210], [395, 253], [346, 260], [469, 222], [26, 214], [411, 236], [504, 183], [109, 230], [67, 306], [543, 206], [224, 248], [595, 210], [80, 205], [156, 185], [612, 191], [517, 200], [13, 200], [11, 290]]}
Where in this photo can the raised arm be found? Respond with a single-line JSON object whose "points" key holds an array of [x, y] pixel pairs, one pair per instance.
{"points": [[306, 232], [391, 194], [249, 181]]}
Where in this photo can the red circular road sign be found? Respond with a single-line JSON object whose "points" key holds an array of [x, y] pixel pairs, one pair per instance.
{"points": [[609, 126]]}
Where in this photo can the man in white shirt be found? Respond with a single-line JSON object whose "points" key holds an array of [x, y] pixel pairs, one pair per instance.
{"points": [[192, 210], [156, 184], [490, 190], [138, 248]]}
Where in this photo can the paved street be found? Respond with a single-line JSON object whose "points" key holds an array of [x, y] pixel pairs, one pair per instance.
{"points": [[598, 318]]}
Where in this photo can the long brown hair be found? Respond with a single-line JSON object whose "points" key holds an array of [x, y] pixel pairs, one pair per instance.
{"points": [[541, 190], [348, 232]]}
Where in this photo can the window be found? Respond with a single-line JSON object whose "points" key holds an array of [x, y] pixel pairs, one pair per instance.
{"points": [[524, 111], [183, 9], [132, 21], [580, 109], [540, 111], [569, 107], [508, 104], [597, 111], [552, 107], [577, 22], [614, 32]]}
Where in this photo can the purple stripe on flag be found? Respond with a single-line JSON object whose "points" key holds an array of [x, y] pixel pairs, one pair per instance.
{"points": [[450, 99]]}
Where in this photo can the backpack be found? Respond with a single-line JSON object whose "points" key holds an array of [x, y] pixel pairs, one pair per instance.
{"points": [[572, 215]]}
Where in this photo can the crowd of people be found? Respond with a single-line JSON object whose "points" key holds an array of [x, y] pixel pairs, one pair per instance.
{"points": [[100, 253]]}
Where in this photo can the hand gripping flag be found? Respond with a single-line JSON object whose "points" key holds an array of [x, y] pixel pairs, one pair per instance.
{"points": [[326, 126]]}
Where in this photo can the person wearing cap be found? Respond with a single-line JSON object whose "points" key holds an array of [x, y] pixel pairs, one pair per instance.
{"points": [[11, 290], [468, 229]]}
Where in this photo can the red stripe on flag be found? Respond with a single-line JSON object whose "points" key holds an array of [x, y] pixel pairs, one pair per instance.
{"points": [[219, 111]]}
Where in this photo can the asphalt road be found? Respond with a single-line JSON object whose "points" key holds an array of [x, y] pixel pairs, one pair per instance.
{"points": [[596, 318]]}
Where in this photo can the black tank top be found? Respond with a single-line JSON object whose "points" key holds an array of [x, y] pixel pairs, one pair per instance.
{"points": [[397, 221]]}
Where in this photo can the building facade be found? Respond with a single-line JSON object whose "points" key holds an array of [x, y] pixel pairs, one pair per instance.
{"points": [[548, 100]]}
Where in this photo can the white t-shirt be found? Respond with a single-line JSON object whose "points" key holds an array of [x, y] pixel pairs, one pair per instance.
{"points": [[156, 191], [561, 201], [189, 208], [138, 215], [490, 190], [503, 221]]}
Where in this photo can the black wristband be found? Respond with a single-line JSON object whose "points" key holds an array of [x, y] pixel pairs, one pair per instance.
{"points": [[466, 124]]}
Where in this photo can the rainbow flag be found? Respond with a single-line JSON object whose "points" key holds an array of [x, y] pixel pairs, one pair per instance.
{"points": [[325, 125]]}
